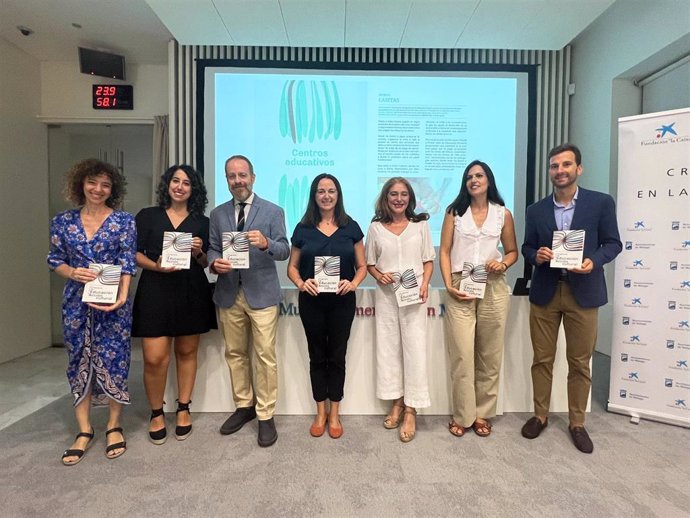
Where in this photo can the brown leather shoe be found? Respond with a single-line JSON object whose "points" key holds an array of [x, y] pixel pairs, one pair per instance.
{"points": [[581, 439], [533, 427]]}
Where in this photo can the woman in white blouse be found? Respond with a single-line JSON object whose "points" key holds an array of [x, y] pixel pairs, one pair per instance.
{"points": [[400, 257], [473, 226]]}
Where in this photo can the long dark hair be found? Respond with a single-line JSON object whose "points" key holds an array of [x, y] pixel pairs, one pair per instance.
{"points": [[460, 204], [196, 204], [312, 216], [382, 211]]}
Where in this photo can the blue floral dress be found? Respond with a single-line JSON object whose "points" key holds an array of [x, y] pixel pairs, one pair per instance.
{"points": [[98, 343]]}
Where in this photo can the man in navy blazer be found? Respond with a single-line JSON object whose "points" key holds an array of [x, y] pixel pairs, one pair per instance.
{"points": [[247, 299], [572, 296]]}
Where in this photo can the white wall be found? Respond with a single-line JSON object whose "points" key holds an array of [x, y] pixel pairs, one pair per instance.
{"points": [[24, 286], [668, 92], [628, 34], [66, 93]]}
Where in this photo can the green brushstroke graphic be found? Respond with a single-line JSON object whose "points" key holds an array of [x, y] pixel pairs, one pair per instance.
{"points": [[310, 111], [292, 197]]}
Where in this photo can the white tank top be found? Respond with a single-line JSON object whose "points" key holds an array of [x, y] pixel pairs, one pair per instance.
{"points": [[477, 245]]}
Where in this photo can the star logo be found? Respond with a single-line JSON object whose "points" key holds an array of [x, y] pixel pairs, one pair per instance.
{"points": [[680, 402], [682, 363], [668, 128], [635, 338], [685, 284], [639, 224], [683, 323], [633, 376], [637, 262], [637, 300]]}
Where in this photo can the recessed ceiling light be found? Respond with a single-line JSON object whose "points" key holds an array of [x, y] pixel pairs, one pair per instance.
{"points": [[24, 30]]}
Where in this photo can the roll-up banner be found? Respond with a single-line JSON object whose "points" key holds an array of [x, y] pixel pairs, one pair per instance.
{"points": [[650, 361]]}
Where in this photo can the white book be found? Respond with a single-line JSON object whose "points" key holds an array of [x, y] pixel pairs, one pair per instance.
{"points": [[177, 250], [473, 280], [406, 288], [236, 249], [327, 273], [567, 247], [103, 289]]}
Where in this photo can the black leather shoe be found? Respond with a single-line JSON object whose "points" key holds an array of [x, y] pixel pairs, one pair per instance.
{"points": [[237, 420], [267, 433], [533, 427], [581, 439]]}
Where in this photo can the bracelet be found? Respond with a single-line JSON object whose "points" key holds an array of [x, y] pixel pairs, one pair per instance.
{"points": [[504, 264]]}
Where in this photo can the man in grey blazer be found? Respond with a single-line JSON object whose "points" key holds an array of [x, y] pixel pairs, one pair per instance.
{"points": [[247, 299]]}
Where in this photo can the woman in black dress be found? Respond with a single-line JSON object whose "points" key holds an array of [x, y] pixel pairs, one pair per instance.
{"points": [[327, 230], [172, 305]]}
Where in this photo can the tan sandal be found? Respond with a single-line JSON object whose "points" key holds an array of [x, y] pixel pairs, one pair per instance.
{"points": [[482, 428], [456, 429], [408, 436], [390, 422]]}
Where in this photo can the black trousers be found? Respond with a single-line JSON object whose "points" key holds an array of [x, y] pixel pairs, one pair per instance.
{"points": [[327, 320]]}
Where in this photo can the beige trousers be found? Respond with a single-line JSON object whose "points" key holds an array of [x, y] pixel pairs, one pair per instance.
{"points": [[580, 326], [241, 324], [475, 331]]}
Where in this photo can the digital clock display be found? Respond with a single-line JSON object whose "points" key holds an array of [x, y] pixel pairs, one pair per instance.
{"points": [[113, 97]]}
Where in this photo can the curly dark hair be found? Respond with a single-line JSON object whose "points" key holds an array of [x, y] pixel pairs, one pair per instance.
{"points": [[382, 211], [89, 168], [196, 204], [312, 215], [462, 201]]}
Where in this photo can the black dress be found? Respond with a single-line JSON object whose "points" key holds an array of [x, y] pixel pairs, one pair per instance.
{"points": [[171, 304]]}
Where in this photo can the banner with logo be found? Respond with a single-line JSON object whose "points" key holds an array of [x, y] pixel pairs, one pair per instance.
{"points": [[650, 360]]}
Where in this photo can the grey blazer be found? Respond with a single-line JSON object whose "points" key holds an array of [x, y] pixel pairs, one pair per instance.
{"points": [[260, 282]]}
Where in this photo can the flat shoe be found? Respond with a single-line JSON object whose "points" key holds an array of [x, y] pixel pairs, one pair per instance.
{"points": [[115, 446], [581, 439], [533, 427], [318, 430], [238, 419], [336, 432], [268, 434], [76, 452]]}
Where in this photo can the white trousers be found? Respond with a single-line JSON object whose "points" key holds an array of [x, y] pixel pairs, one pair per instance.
{"points": [[401, 350]]}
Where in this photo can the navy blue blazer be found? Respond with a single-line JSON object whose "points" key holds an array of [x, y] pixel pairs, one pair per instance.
{"points": [[595, 213], [260, 282]]}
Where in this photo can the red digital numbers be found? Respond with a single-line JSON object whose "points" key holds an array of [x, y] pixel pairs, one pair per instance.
{"points": [[106, 90], [112, 96]]}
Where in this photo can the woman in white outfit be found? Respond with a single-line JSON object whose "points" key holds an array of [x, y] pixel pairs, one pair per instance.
{"points": [[398, 240], [473, 226]]}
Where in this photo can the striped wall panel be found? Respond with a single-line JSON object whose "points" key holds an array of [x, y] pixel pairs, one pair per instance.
{"points": [[553, 78]]}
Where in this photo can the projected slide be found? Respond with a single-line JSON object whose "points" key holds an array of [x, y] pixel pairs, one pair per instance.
{"points": [[363, 129]]}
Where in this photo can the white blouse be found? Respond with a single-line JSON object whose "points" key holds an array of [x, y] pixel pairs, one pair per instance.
{"points": [[391, 253], [477, 245]]}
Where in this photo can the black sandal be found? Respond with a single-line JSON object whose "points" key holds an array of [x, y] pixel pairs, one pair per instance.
{"points": [[182, 432], [75, 452], [117, 445], [158, 436]]}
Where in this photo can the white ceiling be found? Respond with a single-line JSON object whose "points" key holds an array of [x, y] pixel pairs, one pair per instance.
{"points": [[140, 29]]}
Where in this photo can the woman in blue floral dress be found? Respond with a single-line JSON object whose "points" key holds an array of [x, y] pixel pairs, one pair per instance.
{"points": [[97, 336]]}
